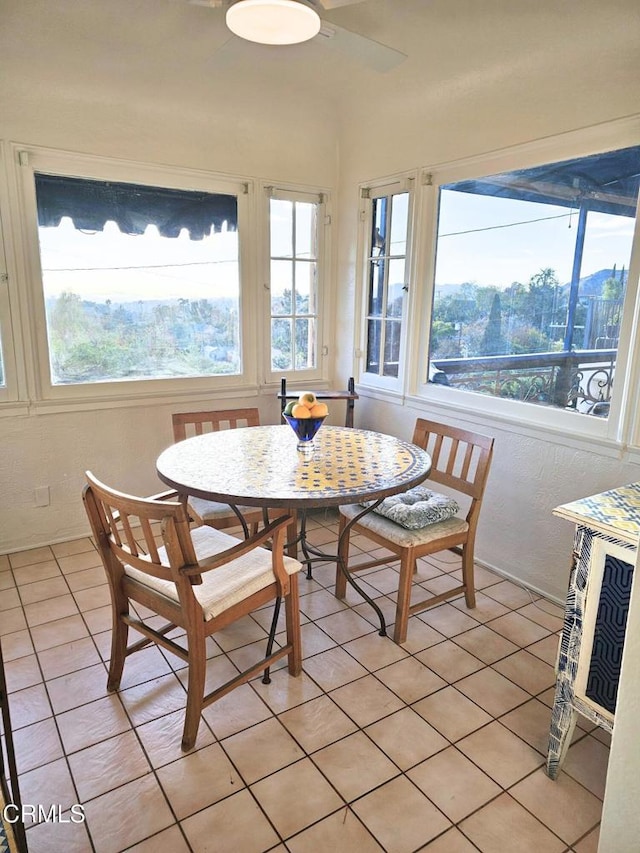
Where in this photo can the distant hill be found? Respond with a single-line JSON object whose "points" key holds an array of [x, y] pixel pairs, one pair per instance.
{"points": [[590, 285]]}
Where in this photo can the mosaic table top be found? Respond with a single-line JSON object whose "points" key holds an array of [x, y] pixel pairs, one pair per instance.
{"points": [[616, 512], [260, 466]]}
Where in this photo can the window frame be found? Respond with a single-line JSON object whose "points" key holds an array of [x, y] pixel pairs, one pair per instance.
{"points": [[368, 192], [14, 391], [30, 160], [321, 196], [622, 425]]}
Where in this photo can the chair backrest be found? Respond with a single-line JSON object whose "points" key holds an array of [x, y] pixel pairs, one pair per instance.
{"points": [[186, 424], [460, 459], [125, 529]]}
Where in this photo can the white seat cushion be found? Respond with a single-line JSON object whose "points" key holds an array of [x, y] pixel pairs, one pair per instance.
{"points": [[212, 510], [400, 535], [227, 585]]}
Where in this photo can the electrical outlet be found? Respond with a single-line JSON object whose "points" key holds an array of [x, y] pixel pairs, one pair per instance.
{"points": [[42, 496]]}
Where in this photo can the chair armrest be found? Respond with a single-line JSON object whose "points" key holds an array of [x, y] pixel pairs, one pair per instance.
{"points": [[169, 495], [243, 547]]}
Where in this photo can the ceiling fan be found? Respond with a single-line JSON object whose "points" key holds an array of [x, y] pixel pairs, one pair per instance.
{"points": [[280, 22]]}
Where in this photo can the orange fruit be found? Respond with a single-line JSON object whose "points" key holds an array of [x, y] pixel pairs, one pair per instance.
{"points": [[307, 398], [320, 410], [299, 411]]}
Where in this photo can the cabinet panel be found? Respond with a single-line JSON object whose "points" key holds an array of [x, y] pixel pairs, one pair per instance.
{"points": [[609, 629]]}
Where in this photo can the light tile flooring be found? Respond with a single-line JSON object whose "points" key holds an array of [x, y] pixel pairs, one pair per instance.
{"points": [[438, 745]]}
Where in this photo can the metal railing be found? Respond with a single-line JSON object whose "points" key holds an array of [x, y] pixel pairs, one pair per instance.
{"points": [[579, 379]]}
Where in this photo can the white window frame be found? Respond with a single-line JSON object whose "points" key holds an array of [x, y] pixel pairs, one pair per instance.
{"points": [[368, 192], [623, 423], [317, 195], [14, 390], [30, 160]]}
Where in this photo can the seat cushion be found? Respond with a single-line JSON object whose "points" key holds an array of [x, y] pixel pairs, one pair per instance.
{"points": [[400, 535], [206, 511], [416, 508], [227, 585]]}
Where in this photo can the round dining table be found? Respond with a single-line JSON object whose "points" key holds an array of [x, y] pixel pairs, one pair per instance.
{"points": [[261, 466]]}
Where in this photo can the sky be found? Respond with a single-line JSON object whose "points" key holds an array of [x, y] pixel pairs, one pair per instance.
{"points": [[160, 267], [495, 249], [514, 252]]}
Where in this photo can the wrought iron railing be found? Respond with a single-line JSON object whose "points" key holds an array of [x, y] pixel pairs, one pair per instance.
{"points": [[581, 379]]}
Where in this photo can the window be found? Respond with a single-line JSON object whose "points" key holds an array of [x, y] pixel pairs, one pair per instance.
{"points": [[3, 380], [386, 282], [8, 374], [139, 282], [294, 251], [530, 281]]}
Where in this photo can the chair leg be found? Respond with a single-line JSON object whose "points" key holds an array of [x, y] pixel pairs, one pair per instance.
{"points": [[407, 563], [468, 575], [195, 688], [292, 614], [343, 554], [119, 636]]}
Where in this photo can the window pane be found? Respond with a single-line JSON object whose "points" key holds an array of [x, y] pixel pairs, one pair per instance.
{"points": [[391, 348], [305, 288], [374, 333], [376, 286], [306, 230], [387, 283], [294, 285], [281, 228], [399, 224], [395, 288], [305, 344], [531, 273], [379, 226], [281, 287], [281, 345], [136, 305]]}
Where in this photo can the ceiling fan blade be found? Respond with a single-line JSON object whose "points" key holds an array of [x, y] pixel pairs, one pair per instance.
{"points": [[210, 4], [379, 57], [336, 4]]}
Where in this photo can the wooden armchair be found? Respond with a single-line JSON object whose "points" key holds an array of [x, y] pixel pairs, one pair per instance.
{"points": [[460, 461], [201, 581], [218, 515]]}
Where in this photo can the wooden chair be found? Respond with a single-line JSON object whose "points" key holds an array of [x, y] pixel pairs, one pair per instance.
{"points": [[200, 580], [218, 515], [460, 461]]}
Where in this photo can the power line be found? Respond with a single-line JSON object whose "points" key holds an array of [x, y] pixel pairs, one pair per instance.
{"points": [[507, 225], [141, 267]]}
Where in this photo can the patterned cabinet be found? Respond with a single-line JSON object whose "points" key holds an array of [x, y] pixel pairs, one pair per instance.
{"points": [[590, 655]]}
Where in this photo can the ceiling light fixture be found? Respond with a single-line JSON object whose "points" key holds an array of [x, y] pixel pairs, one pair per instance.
{"points": [[273, 21]]}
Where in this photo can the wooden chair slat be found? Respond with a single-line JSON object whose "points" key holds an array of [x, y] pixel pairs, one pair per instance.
{"points": [[128, 532], [452, 456], [150, 540], [113, 526]]}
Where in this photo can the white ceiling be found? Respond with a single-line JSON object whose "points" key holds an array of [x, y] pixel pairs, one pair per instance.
{"points": [[186, 49]]}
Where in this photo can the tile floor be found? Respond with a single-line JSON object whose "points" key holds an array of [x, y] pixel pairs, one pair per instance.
{"points": [[438, 745]]}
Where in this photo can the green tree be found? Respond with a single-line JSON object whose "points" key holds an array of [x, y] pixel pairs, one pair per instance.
{"points": [[492, 340]]}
